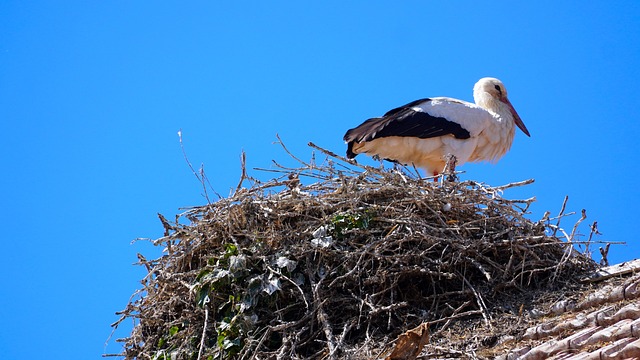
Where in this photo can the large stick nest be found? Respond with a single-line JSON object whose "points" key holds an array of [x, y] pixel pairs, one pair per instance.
{"points": [[339, 267]]}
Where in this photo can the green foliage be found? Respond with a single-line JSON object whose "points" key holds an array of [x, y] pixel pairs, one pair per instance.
{"points": [[173, 330], [229, 286], [202, 295], [346, 221], [230, 250], [230, 335]]}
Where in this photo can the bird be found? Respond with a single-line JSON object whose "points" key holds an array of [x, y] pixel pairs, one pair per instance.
{"points": [[425, 133]]}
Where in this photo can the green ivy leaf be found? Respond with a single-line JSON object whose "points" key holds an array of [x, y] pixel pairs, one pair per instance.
{"points": [[230, 250], [202, 274], [202, 296], [173, 330]]}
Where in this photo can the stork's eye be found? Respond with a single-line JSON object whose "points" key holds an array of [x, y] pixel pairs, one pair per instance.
{"points": [[498, 88]]}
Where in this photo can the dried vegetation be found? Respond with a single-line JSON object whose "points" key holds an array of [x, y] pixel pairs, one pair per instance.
{"points": [[344, 267]]}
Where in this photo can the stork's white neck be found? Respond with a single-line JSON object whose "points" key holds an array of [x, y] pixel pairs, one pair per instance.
{"points": [[486, 101], [499, 132]]}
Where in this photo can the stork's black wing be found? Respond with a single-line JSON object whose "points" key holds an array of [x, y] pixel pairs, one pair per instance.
{"points": [[404, 121]]}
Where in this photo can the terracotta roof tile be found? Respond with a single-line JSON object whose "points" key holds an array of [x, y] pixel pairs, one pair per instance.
{"points": [[604, 325]]}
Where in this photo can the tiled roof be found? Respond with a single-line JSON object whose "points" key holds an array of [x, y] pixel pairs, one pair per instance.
{"points": [[604, 324]]}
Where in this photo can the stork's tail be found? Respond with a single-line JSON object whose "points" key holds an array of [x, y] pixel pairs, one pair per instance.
{"points": [[357, 134], [350, 153]]}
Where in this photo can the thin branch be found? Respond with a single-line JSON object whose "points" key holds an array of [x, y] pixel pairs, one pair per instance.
{"points": [[480, 302], [243, 170], [514, 184], [564, 205], [575, 227], [289, 152], [200, 175], [204, 333]]}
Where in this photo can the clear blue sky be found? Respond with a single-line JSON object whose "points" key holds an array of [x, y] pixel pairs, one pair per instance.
{"points": [[92, 95]]}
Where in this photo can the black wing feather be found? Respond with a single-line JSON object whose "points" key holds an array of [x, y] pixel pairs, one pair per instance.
{"points": [[404, 121], [422, 125], [405, 107]]}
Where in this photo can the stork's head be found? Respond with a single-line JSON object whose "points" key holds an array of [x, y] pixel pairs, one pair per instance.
{"points": [[491, 94]]}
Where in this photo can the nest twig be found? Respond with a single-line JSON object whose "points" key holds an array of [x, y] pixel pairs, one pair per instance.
{"points": [[340, 266]]}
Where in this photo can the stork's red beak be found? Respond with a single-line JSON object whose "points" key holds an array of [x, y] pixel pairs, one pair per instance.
{"points": [[516, 117]]}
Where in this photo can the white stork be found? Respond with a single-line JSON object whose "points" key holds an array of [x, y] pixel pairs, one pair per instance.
{"points": [[424, 132]]}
